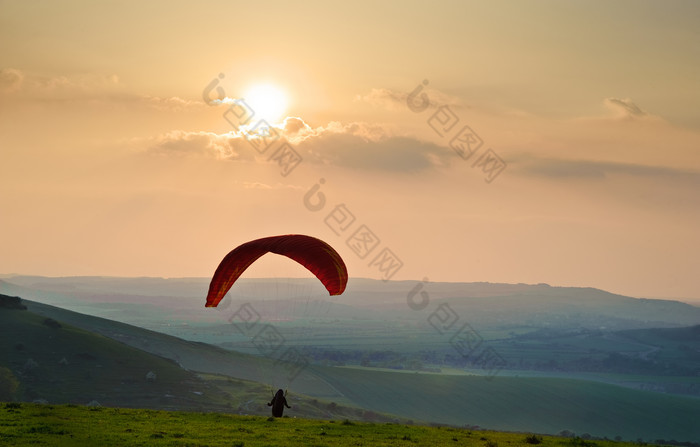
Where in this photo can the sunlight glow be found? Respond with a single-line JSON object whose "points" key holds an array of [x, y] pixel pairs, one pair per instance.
{"points": [[268, 101]]}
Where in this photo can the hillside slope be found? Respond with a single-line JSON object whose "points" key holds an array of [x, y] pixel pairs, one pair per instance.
{"points": [[58, 362], [531, 404]]}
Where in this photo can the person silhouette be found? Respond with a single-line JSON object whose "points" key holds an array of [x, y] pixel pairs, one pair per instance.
{"points": [[278, 402]]}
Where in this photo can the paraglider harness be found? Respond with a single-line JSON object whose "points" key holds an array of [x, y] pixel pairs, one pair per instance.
{"points": [[278, 402]]}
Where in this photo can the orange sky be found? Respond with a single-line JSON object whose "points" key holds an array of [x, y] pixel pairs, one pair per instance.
{"points": [[113, 163]]}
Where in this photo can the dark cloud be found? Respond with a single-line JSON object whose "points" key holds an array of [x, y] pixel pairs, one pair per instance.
{"points": [[354, 145], [401, 154], [625, 108]]}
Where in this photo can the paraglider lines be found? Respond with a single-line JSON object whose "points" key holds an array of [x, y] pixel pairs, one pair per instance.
{"points": [[268, 340]]}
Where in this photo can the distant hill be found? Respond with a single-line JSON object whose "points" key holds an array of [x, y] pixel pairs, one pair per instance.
{"points": [[689, 334], [540, 328], [669, 358], [149, 301]]}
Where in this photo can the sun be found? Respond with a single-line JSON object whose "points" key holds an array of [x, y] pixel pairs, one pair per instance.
{"points": [[268, 102]]}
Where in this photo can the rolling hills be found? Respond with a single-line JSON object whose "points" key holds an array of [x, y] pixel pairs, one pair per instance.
{"points": [[539, 404], [58, 362]]}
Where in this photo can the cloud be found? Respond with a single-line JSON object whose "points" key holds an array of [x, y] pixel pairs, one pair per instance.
{"points": [[353, 150], [172, 103], [385, 98], [361, 145], [10, 79], [352, 145], [209, 144], [293, 125], [255, 185], [86, 87], [223, 102], [34, 85], [396, 101], [265, 186], [625, 108], [591, 169]]}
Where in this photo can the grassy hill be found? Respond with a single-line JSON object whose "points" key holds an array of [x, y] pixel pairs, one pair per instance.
{"points": [[60, 363], [545, 405], [57, 362], [28, 424], [187, 354]]}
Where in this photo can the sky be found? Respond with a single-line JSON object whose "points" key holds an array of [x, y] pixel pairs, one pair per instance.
{"points": [[514, 142]]}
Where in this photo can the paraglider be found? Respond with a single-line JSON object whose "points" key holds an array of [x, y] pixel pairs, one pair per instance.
{"points": [[314, 254], [278, 402]]}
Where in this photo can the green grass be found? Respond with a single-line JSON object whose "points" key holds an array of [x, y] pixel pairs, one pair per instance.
{"points": [[68, 425]]}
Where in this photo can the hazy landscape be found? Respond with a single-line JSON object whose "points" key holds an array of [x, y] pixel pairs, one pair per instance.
{"points": [[440, 223], [532, 357]]}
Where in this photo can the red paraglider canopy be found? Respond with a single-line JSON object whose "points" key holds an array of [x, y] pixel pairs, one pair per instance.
{"points": [[314, 254]]}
